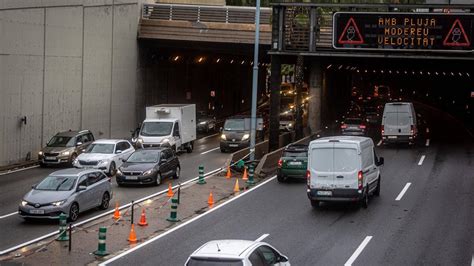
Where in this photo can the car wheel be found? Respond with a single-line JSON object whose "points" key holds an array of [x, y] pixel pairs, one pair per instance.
{"points": [[364, 202], [104, 205], [42, 165], [315, 203], [223, 150], [73, 212], [73, 158], [112, 169], [377, 190], [158, 179], [281, 178], [189, 148], [177, 172]]}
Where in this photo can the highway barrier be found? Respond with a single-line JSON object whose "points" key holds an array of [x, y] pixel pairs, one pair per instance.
{"points": [[174, 211], [101, 249], [250, 180], [62, 228], [201, 175]]}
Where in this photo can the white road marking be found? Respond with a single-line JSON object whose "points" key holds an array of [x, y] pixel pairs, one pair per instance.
{"points": [[19, 170], [210, 136], [421, 160], [8, 215], [427, 142], [262, 237], [358, 251], [207, 175], [379, 143], [399, 197], [184, 224], [472, 261], [202, 153]]}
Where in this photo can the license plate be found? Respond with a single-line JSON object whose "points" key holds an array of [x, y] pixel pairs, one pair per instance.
{"points": [[392, 137], [50, 158], [37, 211], [131, 177], [294, 163], [233, 145], [324, 193]]}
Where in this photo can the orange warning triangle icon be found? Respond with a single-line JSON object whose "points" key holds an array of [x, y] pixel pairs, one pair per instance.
{"points": [[351, 34], [456, 36]]}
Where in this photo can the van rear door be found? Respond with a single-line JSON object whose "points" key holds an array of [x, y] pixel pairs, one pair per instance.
{"points": [[320, 165], [346, 167]]}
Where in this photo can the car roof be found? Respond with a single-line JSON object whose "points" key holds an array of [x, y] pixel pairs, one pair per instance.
{"points": [[296, 147], [109, 141], [344, 139], [72, 133], [73, 172], [229, 248]]}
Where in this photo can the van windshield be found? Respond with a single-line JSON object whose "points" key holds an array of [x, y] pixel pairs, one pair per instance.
{"points": [[234, 124], [334, 159], [156, 129]]}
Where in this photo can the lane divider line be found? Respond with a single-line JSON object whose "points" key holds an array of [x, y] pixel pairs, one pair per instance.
{"points": [[405, 188], [262, 237], [472, 261], [210, 136], [421, 160], [427, 142], [202, 153], [379, 143], [184, 224], [19, 170], [358, 251], [8, 215], [207, 175]]}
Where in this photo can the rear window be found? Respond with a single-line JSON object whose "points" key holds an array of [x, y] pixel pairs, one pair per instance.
{"points": [[213, 262], [295, 154], [334, 160]]}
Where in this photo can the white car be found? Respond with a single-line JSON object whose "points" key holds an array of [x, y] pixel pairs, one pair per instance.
{"points": [[105, 154], [236, 253]]}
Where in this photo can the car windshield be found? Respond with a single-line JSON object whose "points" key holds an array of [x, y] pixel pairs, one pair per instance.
{"points": [[353, 121], [214, 262], [156, 129], [286, 117], [295, 154], [234, 124], [61, 141], [57, 183], [144, 157], [100, 148]]}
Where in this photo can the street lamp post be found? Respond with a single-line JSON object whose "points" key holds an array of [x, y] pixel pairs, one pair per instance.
{"points": [[253, 120]]}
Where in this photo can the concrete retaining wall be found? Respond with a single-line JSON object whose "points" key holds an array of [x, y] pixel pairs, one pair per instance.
{"points": [[66, 65]]}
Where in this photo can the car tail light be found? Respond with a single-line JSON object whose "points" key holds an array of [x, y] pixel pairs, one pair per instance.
{"points": [[280, 163], [343, 126], [362, 126], [360, 177], [412, 130], [308, 177], [383, 131]]}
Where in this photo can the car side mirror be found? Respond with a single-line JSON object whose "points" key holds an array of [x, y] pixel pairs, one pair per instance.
{"points": [[81, 188], [124, 160], [118, 151], [79, 143], [220, 129], [33, 186], [381, 161], [282, 259]]}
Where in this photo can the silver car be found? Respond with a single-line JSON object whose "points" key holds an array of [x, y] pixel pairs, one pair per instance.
{"points": [[68, 191]]}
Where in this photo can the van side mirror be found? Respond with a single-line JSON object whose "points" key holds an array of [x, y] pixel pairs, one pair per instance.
{"points": [[79, 143], [81, 188], [380, 161]]}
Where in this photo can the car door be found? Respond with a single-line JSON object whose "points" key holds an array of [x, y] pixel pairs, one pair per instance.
{"points": [[165, 168], [93, 184], [84, 197], [81, 143], [177, 135], [173, 162]]}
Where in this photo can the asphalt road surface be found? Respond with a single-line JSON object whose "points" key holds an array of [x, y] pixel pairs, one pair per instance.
{"points": [[429, 222], [14, 186]]}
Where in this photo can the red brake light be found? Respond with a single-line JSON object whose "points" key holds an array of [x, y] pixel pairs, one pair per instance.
{"points": [[344, 126], [383, 131], [412, 130], [280, 163], [308, 179], [362, 126], [308, 174], [360, 177]]}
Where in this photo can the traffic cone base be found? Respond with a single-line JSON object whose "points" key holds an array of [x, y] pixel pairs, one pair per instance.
{"points": [[236, 186], [244, 176], [132, 237], [170, 191], [116, 212], [210, 200], [229, 173], [143, 221]]}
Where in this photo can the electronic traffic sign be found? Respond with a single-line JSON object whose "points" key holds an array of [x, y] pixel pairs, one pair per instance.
{"points": [[403, 31]]}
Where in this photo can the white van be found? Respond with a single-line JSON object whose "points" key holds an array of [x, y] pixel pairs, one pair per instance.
{"points": [[399, 123], [343, 168]]}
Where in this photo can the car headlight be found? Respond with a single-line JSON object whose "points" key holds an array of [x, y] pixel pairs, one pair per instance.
{"points": [[223, 137], [165, 140], [290, 124], [245, 137], [148, 172], [58, 203], [102, 162], [23, 203], [119, 172], [203, 123], [140, 140], [40, 153], [65, 153]]}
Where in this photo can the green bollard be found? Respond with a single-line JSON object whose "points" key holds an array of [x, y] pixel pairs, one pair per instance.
{"points": [[201, 176], [174, 211], [62, 228], [250, 181], [101, 250]]}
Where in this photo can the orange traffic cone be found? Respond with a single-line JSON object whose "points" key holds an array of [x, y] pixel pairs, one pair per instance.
{"points": [[116, 212], [143, 221], [170, 193], [132, 237], [210, 200], [245, 177], [229, 174], [236, 186]]}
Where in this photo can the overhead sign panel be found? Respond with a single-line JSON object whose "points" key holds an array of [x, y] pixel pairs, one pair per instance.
{"points": [[403, 31]]}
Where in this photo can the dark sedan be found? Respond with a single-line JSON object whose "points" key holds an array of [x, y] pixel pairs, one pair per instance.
{"points": [[149, 166], [353, 127]]}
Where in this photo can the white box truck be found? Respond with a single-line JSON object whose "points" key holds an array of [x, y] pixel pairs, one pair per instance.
{"points": [[169, 125]]}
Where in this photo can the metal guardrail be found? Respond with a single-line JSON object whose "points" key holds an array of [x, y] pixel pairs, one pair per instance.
{"points": [[198, 13]]}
